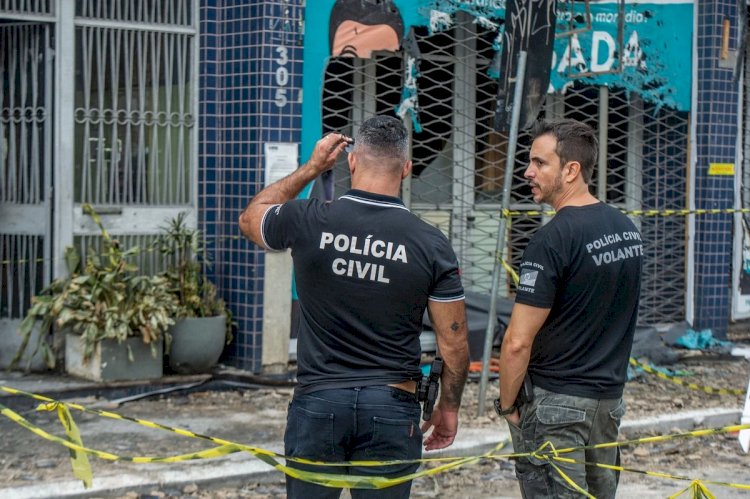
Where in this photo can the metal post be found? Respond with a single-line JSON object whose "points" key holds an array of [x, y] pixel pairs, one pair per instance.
{"points": [[601, 188], [507, 184], [406, 183]]}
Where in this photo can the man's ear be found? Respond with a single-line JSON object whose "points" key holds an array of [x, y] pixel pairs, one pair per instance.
{"points": [[574, 170], [406, 171], [352, 160]]}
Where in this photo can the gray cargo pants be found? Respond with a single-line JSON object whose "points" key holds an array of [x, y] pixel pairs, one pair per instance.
{"points": [[567, 421]]}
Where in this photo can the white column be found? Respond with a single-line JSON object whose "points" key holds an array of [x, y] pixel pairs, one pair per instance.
{"points": [[277, 311], [64, 134]]}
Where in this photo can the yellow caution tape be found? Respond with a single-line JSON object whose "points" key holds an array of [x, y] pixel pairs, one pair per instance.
{"points": [[336, 480], [503, 213], [692, 386], [570, 481], [509, 270], [696, 486], [228, 447], [78, 460], [639, 213], [697, 489]]}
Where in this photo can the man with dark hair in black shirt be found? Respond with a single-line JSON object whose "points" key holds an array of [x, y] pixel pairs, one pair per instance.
{"points": [[366, 268], [572, 325]]}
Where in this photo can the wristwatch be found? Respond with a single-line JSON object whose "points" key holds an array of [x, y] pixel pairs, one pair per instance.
{"points": [[504, 412]]}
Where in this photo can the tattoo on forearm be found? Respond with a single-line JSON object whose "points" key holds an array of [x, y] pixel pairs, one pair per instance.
{"points": [[453, 386]]}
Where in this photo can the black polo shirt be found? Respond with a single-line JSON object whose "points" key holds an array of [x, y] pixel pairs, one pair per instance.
{"points": [[365, 267], [584, 265]]}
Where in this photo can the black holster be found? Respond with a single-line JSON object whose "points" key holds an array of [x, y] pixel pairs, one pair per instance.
{"points": [[428, 387]]}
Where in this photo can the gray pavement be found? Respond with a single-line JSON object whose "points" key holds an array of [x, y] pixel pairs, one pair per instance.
{"points": [[243, 467]]}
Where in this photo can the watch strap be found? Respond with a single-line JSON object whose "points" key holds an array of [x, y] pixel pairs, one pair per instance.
{"points": [[504, 412]]}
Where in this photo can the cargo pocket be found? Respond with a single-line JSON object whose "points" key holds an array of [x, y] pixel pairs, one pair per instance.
{"points": [[532, 480], [555, 423], [557, 415]]}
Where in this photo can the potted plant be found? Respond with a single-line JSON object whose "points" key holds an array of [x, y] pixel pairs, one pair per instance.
{"points": [[203, 323], [114, 319]]}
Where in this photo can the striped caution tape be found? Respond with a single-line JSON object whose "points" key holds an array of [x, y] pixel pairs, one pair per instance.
{"points": [[696, 487], [50, 404], [337, 480], [79, 461], [547, 452], [150, 248], [227, 447], [505, 213], [705, 432], [638, 213], [692, 386], [512, 273], [269, 457]]}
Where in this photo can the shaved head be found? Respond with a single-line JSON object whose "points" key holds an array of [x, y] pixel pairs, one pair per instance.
{"points": [[382, 141]]}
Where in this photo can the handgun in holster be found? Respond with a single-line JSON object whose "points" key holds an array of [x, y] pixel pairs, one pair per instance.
{"points": [[428, 387], [526, 393]]}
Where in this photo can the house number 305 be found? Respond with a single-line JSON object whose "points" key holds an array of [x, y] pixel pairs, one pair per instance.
{"points": [[282, 77]]}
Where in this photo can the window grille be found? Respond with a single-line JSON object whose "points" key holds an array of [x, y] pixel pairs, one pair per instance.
{"points": [[134, 116], [25, 163], [459, 159], [41, 7], [162, 12]]}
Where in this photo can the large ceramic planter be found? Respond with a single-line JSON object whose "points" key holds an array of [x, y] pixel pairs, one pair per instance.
{"points": [[197, 343], [109, 361]]}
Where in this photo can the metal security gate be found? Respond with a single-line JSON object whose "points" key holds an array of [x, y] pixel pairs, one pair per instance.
{"points": [[26, 162], [110, 120], [135, 139], [459, 159]]}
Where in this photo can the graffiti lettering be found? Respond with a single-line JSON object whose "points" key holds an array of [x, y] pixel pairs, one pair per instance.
{"points": [[601, 56]]}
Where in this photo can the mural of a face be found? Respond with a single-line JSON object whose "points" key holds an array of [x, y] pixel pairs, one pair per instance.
{"points": [[359, 27]]}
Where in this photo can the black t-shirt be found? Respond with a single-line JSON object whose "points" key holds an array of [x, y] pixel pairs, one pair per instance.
{"points": [[584, 265], [364, 267]]}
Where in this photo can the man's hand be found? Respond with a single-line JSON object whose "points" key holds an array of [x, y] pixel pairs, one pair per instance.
{"points": [[322, 159], [327, 150], [514, 418], [444, 424]]}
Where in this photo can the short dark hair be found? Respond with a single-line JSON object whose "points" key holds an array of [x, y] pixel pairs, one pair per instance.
{"points": [[576, 141], [384, 136]]}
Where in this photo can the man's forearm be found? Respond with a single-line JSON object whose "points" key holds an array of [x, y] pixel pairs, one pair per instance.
{"points": [[515, 351], [323, 158], [453, 381], [449, 323], [513, 368], [287, 188]]}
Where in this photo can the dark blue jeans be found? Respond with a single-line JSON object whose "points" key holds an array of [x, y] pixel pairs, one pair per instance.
{"points": [[567, 421], [353, 424]]}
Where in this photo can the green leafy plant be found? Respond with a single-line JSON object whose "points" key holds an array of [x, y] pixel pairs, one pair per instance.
{"points": [[186, 253], [104, 299]]}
